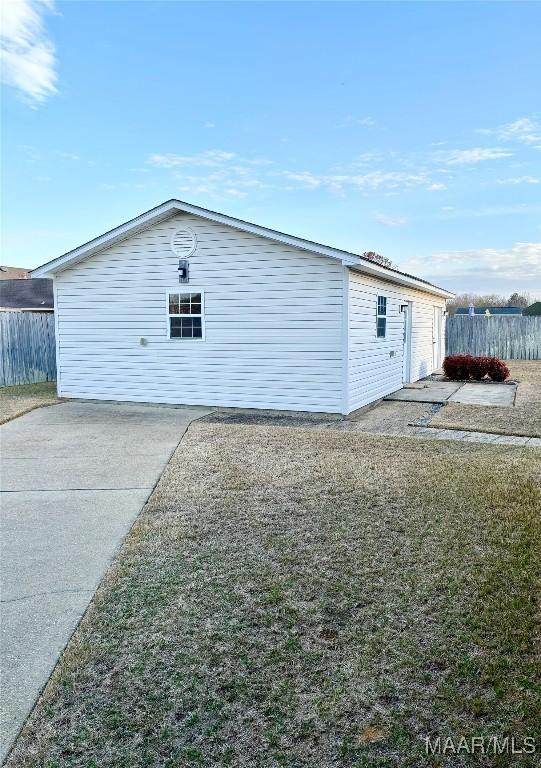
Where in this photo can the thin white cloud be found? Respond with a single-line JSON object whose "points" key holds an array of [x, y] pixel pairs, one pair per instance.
{"points": [[520, 180], [515, 209], [27, 53], [373, 180], [368, 158], [211, 158], [525, 130], [364, 122], [303, 178], [67, 155], [387, 179], [389, 221], [471, 156], [215, 173], [520, 261], [30, 154]]}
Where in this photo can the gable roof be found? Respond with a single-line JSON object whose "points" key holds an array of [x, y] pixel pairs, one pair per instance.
{"points": [[26, 294], [170, 207]]}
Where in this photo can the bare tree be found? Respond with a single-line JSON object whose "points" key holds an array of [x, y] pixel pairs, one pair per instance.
{"points": [[379, 259], [478, 300], [519, 300], [488, 300]]}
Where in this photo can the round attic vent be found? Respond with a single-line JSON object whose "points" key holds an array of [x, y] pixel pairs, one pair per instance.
{"points": [[183, 242]]}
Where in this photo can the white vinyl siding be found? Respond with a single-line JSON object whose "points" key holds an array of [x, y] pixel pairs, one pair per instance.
{"points": [[273, 323], [375, 364]]}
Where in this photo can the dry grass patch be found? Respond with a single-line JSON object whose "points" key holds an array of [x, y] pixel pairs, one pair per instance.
{"points": [[299, 597], [15, 401], [528, 374], [524, 419]]}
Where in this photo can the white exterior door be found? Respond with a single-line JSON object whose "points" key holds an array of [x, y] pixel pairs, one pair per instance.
{"points": [[406, 352], [436, 338]]}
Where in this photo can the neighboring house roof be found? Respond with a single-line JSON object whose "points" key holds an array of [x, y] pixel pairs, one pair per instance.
{"points": [[14, 273], [169, 208], [492, 310], [533, 309], [27, 294]]}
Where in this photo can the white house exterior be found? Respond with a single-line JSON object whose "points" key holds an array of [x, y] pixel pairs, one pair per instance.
{"points": [[265, 320]]}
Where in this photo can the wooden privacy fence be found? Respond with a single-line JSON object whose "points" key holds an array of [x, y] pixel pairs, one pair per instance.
{"points": [[27, 347], [509, 338]]}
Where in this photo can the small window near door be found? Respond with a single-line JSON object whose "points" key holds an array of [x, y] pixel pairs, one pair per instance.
{"points": [[185, 315], [381, 317]]}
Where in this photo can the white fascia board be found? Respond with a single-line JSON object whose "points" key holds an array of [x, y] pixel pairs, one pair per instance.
{"points": [[375, 270]]}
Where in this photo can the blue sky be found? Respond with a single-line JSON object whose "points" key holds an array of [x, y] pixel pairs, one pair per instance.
{"points": [[413, 129]]}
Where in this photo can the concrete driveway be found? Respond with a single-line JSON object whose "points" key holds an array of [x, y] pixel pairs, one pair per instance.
{"points": [[74, 478]]}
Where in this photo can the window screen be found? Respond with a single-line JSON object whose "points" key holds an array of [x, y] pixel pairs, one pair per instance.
{"points": [[381, 317], [185, 315]]}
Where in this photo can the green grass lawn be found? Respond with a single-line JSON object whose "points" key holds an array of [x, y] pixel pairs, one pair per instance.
{"points": [[14, 401], [298, 597]]}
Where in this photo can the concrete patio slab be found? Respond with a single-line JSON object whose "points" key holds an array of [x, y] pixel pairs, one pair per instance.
{"points": [[427, 391], [502, 395], [58, 540]]}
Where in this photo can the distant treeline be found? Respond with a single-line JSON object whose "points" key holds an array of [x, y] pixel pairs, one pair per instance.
{"points": [[489, 300]]}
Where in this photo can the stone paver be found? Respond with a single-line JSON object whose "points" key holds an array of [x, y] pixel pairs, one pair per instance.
{"points": [[454, 434], [502, 395], [467, 437], [479, 437], [74, 478], [476, 437], [512, 440]]}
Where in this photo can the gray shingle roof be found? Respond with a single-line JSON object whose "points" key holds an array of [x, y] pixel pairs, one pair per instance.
{"points": [[27, 294]]}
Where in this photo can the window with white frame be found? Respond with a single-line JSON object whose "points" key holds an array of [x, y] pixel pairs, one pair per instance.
{"points": [[185, 315], [381, 317]]}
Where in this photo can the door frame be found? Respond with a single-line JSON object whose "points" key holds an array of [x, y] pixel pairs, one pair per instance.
{"points": [[437, 329], [407, 311]]}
